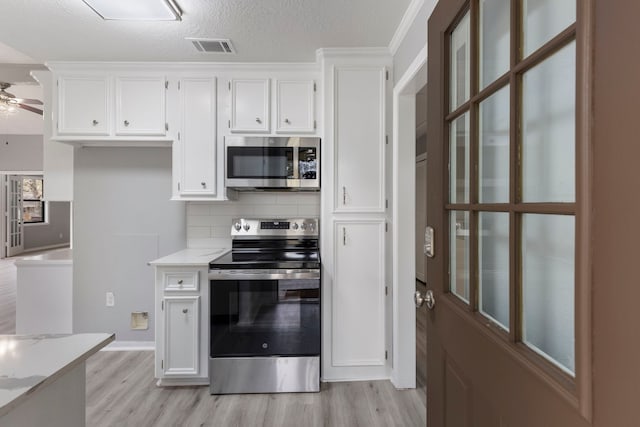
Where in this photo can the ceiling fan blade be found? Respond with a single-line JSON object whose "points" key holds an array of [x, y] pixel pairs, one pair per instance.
{"points": [[28, 101], [29, 108], [7, 94]]}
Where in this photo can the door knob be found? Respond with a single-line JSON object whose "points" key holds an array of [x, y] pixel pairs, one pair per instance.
{"points": [[428, 298]]}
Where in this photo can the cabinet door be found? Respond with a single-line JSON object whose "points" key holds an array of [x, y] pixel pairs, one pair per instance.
{"points": [[359, 139], [296, 106], [83, 105], [197, 137], [357, 301], [140, 106], [250, 105], [181, 339]]}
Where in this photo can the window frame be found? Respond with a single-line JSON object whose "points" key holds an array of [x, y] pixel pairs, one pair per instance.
{"points": [[43, 203]]}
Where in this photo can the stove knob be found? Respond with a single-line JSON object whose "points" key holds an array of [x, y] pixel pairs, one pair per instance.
{"points": [[237, 226], [246, 226], [311, 226], [295, 226], [303, 226]]}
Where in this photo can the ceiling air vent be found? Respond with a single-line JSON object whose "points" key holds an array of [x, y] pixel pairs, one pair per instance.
{"points": [[213, 45]]}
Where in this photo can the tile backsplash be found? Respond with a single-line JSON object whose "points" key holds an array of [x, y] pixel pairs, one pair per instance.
{"points": [[209, 223]]}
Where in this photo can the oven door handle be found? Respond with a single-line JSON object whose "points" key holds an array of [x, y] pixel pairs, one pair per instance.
{"points": [[276, 274]]}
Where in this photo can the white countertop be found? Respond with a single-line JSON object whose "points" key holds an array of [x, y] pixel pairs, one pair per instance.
{"points": [[61, 256], [190, 257], [29, 362]]}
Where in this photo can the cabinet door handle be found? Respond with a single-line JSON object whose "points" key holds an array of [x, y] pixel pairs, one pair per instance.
{"points": [[95, 122], [344, 236], [180, 282], [344, 195], [204, 184], [185, 310], [287, 121], [258, 120], [126, 122]]}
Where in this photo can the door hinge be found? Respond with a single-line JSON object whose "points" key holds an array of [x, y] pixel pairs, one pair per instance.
{"points": [[166, 84], [163, 301], [386, 355], [315, 124], [386, 226], [178, 136], [162, 364], [386, 73], [229, 85], [386, 139], [229, 124], [314, 86], [178, 190], [386, 204], [166, 126], [386, 290]]}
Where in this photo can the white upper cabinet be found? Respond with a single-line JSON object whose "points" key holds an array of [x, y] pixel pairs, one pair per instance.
{"points": [[359, 116], [83, 105], [111, 107], [250, 105], [296, 106], [197, 137], [140, 106]]}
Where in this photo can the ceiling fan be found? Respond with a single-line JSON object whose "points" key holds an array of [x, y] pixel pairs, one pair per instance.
{"points": [[9, 100]]}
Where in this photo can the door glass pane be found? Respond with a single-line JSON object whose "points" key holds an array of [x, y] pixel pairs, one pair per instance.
{"points": [[548, 129], [460, 55], [493, 254], [542, 20], [459, 254], [495, 42], [494, 148], [548, 259], [459, 160]]}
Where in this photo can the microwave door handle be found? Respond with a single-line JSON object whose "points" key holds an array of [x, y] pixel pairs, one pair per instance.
{"points": [[296, 163]]}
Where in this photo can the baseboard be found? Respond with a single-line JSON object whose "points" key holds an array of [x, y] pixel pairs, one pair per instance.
{"points": [[130, 346], [44, 248]]}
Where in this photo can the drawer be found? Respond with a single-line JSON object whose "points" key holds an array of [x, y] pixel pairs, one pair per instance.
{"points": [[181, 281]]}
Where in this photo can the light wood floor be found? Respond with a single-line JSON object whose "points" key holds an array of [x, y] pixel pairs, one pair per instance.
{"points": [[7, 296], [121, 391]]}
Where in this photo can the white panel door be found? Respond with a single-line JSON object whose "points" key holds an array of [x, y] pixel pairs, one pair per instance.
{"points": [[181, 339], [140, 106], [83, 105], [197, 137], [250, 105], [296, 106], [15, 231], [359, 139], [358, 325]]}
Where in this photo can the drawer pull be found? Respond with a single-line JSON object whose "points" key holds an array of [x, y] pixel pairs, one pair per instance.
{"points": [[185, 310]]}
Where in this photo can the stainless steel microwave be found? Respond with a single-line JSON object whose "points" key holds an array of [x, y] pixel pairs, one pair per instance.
{"points": [[272, 163]]}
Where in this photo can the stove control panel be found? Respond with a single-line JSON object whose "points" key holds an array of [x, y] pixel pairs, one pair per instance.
{"points": [[242, 227]]}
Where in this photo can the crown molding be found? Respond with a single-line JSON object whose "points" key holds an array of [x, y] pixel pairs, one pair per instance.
{"points": [[405, 24]]}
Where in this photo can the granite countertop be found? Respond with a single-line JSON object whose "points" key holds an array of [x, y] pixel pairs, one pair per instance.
{"points": [[190, 257], [29, 362], [62, 256]]}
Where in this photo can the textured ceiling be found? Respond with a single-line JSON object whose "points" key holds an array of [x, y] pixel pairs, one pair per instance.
{"points": [[260, 30]]}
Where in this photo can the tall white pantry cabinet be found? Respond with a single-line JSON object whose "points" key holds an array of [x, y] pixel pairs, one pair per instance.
{"points": [[355, 299]]}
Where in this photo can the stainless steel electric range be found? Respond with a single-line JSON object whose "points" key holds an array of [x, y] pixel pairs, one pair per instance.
{"points": [[265, 309]]}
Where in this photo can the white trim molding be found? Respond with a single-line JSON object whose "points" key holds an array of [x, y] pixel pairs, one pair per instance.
{"points": [[406, 22]]}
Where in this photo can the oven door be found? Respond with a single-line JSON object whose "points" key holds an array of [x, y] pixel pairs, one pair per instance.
{"points": [[258, 315]]}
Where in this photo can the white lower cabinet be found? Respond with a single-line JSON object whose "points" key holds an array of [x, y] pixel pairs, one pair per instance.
{"points": [[358, 294], [182, 295], [181, 327]]}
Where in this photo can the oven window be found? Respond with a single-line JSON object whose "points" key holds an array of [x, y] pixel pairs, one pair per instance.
{"points": [[265, 318], [307, 162], [260, 162]]}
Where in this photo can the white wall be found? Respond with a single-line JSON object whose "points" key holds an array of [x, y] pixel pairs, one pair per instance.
{"points": [[414, 41], [20, 152], [123, 218], [209, 224]]}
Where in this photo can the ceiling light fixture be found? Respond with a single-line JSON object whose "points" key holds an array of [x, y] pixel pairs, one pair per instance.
{"points": [[139, 10]]}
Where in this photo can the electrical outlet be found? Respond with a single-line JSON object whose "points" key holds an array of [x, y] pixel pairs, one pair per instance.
{"points": [[111, 301]]}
